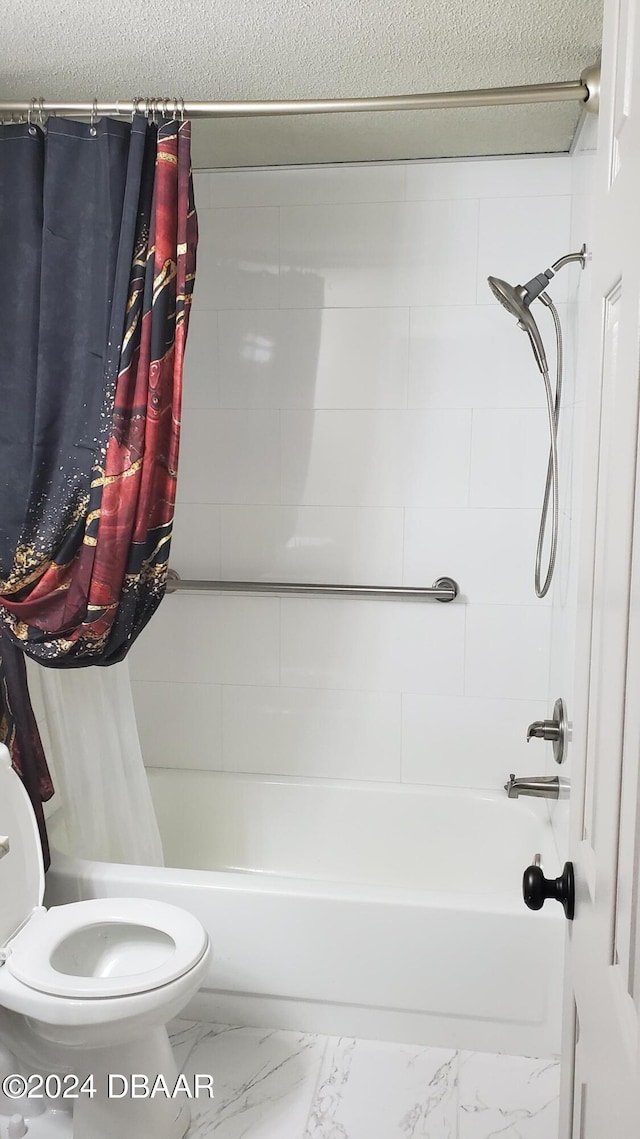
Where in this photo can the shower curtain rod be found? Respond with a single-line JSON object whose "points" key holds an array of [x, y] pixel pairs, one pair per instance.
{"points": [[584, 90]]}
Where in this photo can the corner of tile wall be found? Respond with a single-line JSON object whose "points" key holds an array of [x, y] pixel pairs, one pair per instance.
{"points": [[571, 440]]}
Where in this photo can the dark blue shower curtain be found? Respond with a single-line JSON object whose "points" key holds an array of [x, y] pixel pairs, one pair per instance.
{"points": [[98, 235]]}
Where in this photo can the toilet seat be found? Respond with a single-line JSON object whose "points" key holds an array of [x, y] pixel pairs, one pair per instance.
{"points": [[106, 947]]}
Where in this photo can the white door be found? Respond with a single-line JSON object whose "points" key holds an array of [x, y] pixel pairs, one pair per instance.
{"points": [[601, 1094]]}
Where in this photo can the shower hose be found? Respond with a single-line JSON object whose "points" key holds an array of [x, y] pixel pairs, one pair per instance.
{"points": [[551, 485]]}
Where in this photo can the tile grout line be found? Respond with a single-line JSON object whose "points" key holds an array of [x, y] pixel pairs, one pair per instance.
{"points": [[469, 505], [279, 256], [280, 504], [223, 743], [407, 402], [479, 201], [464, 654], [390, 201]]}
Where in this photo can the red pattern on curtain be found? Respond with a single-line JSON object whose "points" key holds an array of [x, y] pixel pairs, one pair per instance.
{"points": [[76, 603]]}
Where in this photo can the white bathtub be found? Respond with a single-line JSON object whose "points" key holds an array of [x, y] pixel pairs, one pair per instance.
{"points": [[382, 911]]}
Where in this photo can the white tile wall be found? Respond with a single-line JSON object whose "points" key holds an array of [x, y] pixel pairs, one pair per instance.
{"points": [[313, 543], [507, 651], [237, 259], [379, 254], [314, 358], [509, 457], [180, 725], [358, 409], [372, 646], [489, 178], [300, 186], [314, 732], [202, 382], [232, 455], [519, 237], [204, 639], [201, 558], [465, 741], [492, 550], [470, 356], [375, 458]]}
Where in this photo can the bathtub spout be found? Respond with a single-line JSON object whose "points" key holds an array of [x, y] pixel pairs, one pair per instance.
{"points": [[539, 786]]}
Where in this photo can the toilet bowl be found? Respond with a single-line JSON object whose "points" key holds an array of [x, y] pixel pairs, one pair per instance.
{"points": [[88, 988]]}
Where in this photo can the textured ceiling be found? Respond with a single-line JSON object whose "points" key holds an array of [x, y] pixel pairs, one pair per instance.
{"points": [[267, 49]]}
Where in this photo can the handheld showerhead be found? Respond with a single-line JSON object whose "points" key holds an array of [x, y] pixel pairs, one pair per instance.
{"points": [[516, 299], [508, 296]]}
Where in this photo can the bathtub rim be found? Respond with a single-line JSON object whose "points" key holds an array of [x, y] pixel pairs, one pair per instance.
{"points": [[298, 885], [88, 870]]}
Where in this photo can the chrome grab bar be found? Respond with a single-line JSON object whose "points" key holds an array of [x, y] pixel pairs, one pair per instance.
{"points": [[444, 589]]}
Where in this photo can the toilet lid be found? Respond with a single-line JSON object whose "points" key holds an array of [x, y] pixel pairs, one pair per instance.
{"points": [[106, 947], [21, 865]]}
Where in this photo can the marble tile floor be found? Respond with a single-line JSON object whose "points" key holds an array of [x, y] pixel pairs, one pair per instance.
{"points": [[272, 1084]]}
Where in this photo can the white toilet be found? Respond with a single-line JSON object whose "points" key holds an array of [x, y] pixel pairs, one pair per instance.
{"points": [[88, 989]]}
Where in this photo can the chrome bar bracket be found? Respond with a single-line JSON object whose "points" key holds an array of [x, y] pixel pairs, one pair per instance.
{"points": [[590, 78]]}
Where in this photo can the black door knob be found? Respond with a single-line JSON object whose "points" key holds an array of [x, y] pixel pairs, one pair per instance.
{"points": [[536, 889]]}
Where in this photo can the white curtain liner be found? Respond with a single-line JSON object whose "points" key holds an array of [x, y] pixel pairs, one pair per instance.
{"points": [[91, 737]]}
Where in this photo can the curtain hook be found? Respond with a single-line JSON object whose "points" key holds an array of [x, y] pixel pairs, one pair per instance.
{"points": [[134, 111], [182, 110], [32, 129], [94, 115], [165, 108], [41, 113]]}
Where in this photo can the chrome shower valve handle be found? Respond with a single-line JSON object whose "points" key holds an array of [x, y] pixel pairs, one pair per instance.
{"points": [[543, 730], [555, 730]]}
